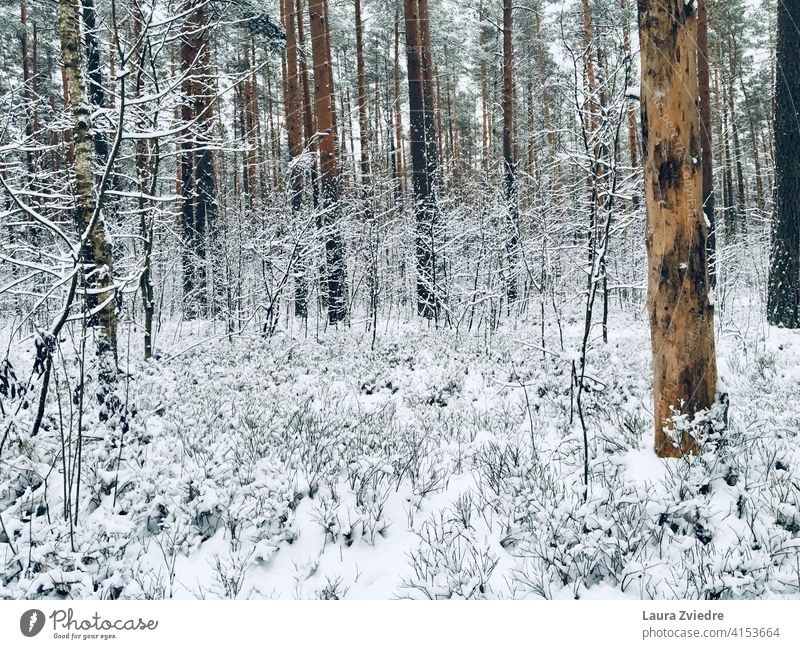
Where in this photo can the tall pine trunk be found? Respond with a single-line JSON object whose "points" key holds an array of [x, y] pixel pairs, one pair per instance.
{"points": [[363, 128], [423, 154], [704, 82], [398, 116], [335, 272], [198, 201], [512, 206], [309, 126], [783, 304], [681, 315], [97, 95], [294, 131]]}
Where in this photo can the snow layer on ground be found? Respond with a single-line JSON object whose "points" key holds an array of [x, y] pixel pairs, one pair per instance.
{"points": [[434, 466]]}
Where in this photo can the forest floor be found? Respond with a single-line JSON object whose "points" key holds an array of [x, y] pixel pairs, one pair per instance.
{"points": [[434, 465]]}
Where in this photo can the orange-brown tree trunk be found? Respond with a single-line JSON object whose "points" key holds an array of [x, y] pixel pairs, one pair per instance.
{"points": [[335, 279], [681, 314], [309, 126], [294, 131]]}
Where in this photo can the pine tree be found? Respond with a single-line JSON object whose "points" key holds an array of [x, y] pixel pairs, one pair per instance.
{"points": [[681, 314], [324, 95], [198, 193], [783, 305], [423, 152], [512, 206]]}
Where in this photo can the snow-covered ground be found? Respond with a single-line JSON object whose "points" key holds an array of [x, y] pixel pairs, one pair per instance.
{"points": [[436, 465]]}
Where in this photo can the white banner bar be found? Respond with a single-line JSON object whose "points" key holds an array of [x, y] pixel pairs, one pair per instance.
{"points": [[380, 624]]}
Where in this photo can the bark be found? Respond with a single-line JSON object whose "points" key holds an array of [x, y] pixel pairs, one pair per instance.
{"points": [[729, 92], [250, 124], [363, 128], [589, 63], [294, 130], [754, 147], [451, 137], [681, 314], [704, 82], [309, 127], [512, 206], [548, 123], [143, 176], [28, 91], [732, 216], [423, 157], [96, 93], [335, 280], [198, 201], [633, 140], [294, 105], [783, 304], [96, 253], [484, 95], [429, 95], [398, 124]]}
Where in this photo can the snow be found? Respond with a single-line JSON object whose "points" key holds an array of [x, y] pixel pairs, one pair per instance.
{"points": [[435, 466]]}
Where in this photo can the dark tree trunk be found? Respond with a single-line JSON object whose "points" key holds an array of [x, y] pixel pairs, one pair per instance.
{"points": [[512, 206], [97, 95], [198, 202], [783, 305], [704, 82], [423, 154]]}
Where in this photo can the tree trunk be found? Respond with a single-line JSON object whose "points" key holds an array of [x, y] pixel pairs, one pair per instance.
{"points": [[783, 304], [294, 131], [423, 157], [96, 254], [28, 90], [681, 315], [96, 93], [729, 204], [704, 82], [144, 175], [741, 203], [589, 63], [363, 127], [754, 147], [540, 49], [633, 140], [512, 207], [198, 202], [335, 281], [484, 95], [309, 127], [401, 168]]}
